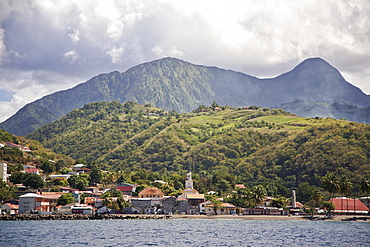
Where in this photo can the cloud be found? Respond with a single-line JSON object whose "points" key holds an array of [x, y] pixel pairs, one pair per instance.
{"points": [[50, 45]]}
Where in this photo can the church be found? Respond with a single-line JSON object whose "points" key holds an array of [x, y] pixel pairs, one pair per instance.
{"points": [[191, 195]]}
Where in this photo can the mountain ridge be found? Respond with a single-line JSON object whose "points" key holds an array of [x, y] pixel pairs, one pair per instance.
{"points": [[171, 83]]}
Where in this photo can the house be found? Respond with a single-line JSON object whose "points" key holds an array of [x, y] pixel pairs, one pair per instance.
{"points": [[202, 206], [83, 170], [82, 209], [32, 171], [64, 209], [8, 208], [151, 192], [77, 167], [90, 201], [28, 167], [141, 203], [132, 210], [31, 203], [51, 198], [126, 188], [92, 189], [224, 209], [349, 206], [267, 200], [182, 206], [103, 210], [240, 186], [66, 176], [168, 204], [22, 148], [3, 172]]}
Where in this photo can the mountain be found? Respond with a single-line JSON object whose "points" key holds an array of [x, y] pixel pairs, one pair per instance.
{"points": [[223, 145], [170, 83]]}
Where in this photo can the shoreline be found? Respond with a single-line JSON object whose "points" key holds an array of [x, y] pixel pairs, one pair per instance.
{"points": [[276, 217], [41, 217]]}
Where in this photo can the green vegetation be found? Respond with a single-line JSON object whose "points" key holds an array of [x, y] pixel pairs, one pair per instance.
{"points": [[65, 199], [223, 146]]}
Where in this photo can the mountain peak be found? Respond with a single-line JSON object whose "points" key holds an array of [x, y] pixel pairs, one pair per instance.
{"points": [[170, 83], [314, 63]]}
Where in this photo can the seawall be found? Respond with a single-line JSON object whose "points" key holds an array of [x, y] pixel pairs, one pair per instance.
{"points": [[23, 217]]}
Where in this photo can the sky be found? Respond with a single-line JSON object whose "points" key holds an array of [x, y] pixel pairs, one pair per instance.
{"points": [[48, 46]]}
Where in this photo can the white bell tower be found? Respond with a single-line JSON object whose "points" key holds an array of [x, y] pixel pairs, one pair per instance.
{"points": [[189, 181]]}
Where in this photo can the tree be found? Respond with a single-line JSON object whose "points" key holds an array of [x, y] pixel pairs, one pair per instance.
{"points": [[257, 195], [329, 206], [280, 202], [6, 192], [96, 175], [47, 167], [331, 184], [65, 199], [365, 187], [112, 193], [121, 179], [271, 189], [344, 187], [216, 204], [79, 182], [60, 164], [59, 181], [18, 177], [34, 181], [316, 200], [214, 105], [122, 204]]}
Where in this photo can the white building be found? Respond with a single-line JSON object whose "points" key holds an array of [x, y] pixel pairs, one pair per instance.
{"points": [[30, 202], [3, 172]]}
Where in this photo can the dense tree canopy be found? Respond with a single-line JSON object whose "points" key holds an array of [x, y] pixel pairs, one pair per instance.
{"points": [[223, 146]]}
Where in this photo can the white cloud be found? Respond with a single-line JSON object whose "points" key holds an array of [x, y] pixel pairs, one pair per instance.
{"points": [[116, 54], [70, 55], [49, 45]]}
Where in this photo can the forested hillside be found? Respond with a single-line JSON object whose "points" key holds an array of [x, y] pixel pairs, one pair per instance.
{"points": [[15, 158], [221, 144]]}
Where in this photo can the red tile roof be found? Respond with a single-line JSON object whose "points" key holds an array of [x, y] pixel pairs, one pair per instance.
{"points": [[345, 204], [126, 188], [35, 170], [151, 191], [12, 206], [240, 186]]}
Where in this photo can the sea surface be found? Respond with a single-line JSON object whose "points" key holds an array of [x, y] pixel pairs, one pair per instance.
{"points": [[184, 232]]}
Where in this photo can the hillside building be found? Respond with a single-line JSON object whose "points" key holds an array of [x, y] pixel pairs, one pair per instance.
{"points": [[3, 172]]}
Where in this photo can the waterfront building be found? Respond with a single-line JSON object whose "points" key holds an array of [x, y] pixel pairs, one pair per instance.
{"points": [[346, 205], [9, 208]]}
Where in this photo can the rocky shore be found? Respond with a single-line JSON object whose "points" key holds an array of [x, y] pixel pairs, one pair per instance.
{"points": [[25, 217]]}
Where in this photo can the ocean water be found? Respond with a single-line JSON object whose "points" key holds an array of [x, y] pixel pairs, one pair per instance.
{"points": [[184, 232]]}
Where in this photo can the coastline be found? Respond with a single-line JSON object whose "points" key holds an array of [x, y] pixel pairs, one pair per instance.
{"points": [[27, 217], [275, 217]]}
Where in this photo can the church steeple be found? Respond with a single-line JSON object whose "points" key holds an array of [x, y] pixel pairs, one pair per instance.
{"points": [[189, 181]]}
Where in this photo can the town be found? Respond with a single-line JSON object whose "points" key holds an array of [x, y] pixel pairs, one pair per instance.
{"points": [[126, 198]]}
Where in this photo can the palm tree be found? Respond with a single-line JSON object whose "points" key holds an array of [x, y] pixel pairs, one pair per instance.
{"points": [[257, 195], [365, 188], [216, 204], [344, 187], [331, 184], [316, 200]]}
